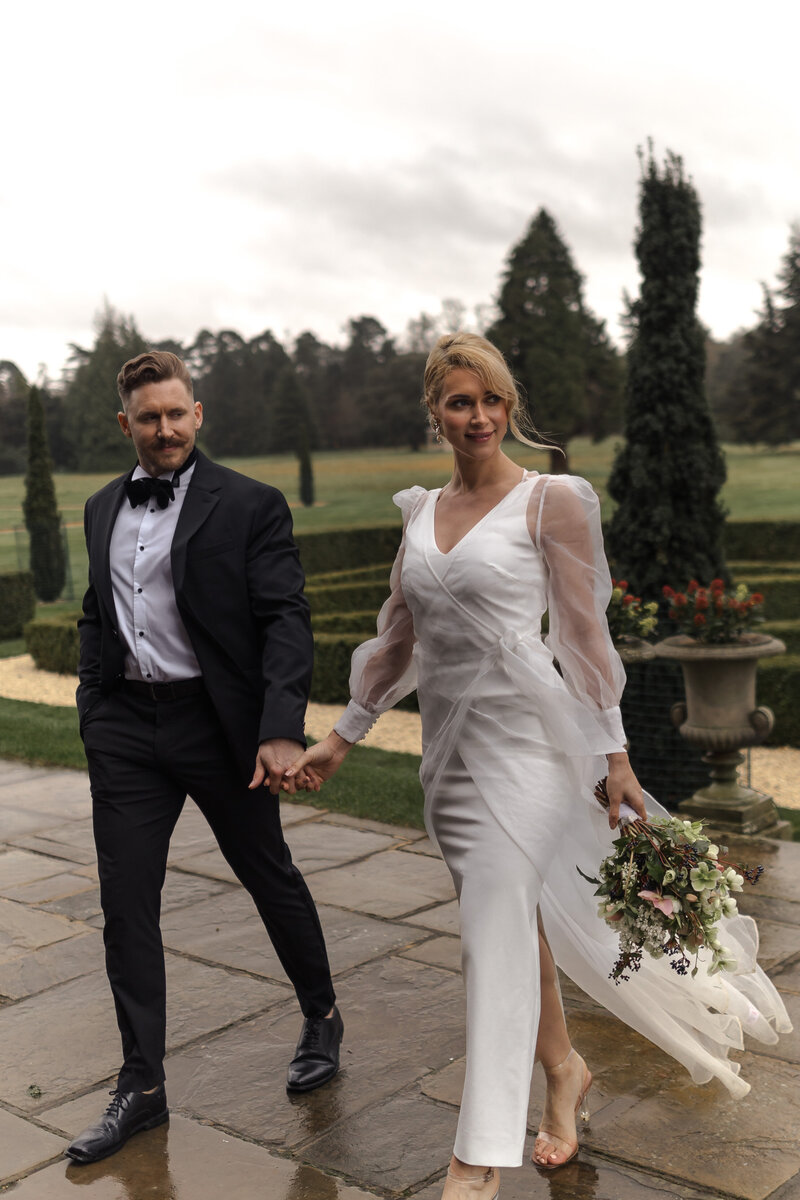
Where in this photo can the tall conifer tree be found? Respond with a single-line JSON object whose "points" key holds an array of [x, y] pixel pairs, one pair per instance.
{"points": [[668, 525], [40, 508], [557, 349]]}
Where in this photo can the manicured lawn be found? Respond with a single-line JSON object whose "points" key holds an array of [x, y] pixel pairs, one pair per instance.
{"points": [[378, 784], [356, 487]]}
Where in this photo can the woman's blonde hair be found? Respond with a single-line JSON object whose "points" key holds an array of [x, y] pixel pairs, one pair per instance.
{"points": [[471, 352]]}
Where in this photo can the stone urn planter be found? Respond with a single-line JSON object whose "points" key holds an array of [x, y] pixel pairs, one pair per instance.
{"points": [[634, 650], [721, 717]]}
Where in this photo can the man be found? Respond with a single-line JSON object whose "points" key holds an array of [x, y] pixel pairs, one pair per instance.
{"points": [[195, 665]]}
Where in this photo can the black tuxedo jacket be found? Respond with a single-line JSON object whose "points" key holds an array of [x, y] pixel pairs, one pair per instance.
{"points": [[239, 589]]}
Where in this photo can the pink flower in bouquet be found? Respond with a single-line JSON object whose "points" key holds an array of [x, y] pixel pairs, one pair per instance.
{"points": [[662, 903]]}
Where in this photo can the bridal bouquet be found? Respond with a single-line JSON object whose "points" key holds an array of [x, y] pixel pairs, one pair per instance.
{"points": [[663, 890]]}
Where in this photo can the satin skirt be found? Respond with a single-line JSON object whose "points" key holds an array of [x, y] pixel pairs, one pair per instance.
{"points": [[498, 890]]}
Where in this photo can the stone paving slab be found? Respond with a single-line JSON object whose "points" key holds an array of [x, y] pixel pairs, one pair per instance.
{"points": [[387, 885], [20, 866], [786, 977], [438, 952], [228, 930], [744, 1148], [781, 879], [401, 1021], [65, 1039], [385, 1125], [24, 929], [63, 794], [588, 1177], [443, 917], [23, 822], [187, 1161], [51, 965], [777, 943], [402, 833], [390, 1146], [24, 1145], [48, 843], [180, 891], [315, 846], [50, 889]]}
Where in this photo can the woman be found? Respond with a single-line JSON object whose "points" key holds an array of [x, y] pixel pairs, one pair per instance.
{"points": [[512, 750]]}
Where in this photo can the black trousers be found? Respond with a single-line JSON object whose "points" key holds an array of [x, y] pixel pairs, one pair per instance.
{"points": [[144, 757]]}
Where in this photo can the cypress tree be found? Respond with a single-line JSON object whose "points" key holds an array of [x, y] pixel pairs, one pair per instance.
{"points": [[557, 349], [42, 518], [668, 524]]}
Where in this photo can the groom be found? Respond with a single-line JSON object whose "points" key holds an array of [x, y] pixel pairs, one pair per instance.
{"points": [[195, 665]]}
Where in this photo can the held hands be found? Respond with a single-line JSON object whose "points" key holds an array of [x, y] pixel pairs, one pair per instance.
{"points": [[623, 787], [272, 759], [317, 764]]}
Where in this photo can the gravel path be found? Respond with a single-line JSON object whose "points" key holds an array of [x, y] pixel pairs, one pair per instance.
{"points": [[775, 771]]}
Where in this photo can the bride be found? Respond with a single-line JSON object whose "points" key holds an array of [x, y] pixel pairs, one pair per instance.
{"points": [[513, 746]]}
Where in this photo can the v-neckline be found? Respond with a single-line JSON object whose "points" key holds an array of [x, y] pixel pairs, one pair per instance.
{"points": [[478, 523]]}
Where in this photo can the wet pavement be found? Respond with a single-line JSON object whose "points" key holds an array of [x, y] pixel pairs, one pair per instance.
{"points": [[384, 1127]]}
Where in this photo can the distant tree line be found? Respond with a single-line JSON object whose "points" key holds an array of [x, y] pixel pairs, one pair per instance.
{"points": [[263, 397]]}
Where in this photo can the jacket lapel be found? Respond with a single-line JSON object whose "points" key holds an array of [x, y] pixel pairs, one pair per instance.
{"points": [[202, 497], [101, 558]]}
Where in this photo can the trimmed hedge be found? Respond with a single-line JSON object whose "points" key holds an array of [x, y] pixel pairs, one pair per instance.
{"points": [[762, 541], [787, 631], [361, 623], [17, 602], [53, 643], [346, 597], [778, 687], [342, 549], [379, 573], [781, 593], [345, 549], [332, 653]]}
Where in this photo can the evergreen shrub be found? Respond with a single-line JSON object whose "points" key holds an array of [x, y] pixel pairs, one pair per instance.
{"points": [[17, 602], [346, 597], [778, 687], [53, 643], [361, 623], [332, 653], [762, 541], [344, 549]]}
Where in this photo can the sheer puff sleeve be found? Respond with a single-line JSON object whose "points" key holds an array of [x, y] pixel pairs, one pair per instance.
{"points": [[383, 670], [564, 521]]}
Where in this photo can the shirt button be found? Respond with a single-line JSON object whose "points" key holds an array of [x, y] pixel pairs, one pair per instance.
{"points": [[138, 589], [141, 633], [141, 547]]}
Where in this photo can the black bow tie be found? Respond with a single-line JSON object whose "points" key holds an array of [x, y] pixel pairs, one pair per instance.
{"points": [[140, 490]]}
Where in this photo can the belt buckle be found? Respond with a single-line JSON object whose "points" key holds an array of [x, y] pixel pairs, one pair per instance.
{"points": [[162, 691]]}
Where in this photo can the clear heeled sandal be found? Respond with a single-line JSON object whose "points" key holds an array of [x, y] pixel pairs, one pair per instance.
{"points": [[471, 1186], [581, 1111]]}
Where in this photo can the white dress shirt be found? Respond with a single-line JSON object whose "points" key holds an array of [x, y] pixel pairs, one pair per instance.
{"points": [[157, 646]]}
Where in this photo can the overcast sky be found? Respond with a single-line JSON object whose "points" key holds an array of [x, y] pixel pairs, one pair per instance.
{"points": [[250, 166]]}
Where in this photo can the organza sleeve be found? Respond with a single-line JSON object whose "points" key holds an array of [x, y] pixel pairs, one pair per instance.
{"points": [[383, 670], [564, 522]]}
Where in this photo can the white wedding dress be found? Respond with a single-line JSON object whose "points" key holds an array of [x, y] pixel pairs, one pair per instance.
{"points": [[512, 750]]}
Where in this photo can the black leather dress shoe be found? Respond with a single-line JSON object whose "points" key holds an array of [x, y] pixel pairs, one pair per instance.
{"points": [[316, 1059], [127, 1114]]}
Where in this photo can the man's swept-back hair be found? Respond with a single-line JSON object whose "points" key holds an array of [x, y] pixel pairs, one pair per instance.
{"points": [[154, 366]]}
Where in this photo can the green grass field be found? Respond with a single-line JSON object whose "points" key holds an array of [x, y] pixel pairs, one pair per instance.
{"points": [[355, 488]]}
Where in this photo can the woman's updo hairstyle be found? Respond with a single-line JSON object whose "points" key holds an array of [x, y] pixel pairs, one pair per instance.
{"points": [[471, 352]]}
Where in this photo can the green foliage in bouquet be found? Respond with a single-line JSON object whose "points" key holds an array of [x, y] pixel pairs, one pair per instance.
{"points": [[663, 890], [627, 616], [715, 613]]}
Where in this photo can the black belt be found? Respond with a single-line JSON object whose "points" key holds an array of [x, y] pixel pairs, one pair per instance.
{"points": [[164, 691]]}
